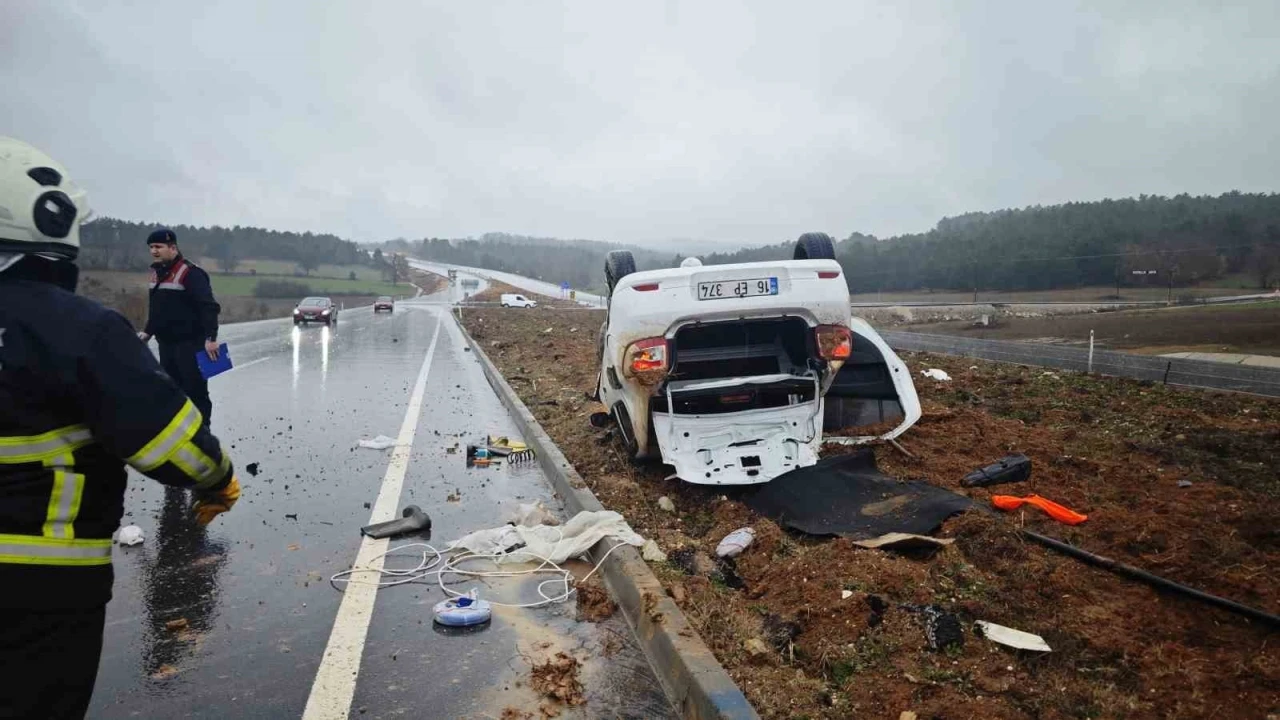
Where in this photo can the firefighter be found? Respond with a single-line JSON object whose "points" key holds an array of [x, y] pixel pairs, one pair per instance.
{"points": [[183, 317], [79, 398]]}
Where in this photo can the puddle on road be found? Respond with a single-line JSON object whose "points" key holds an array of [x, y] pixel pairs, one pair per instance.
{"points": [[616, 678]]}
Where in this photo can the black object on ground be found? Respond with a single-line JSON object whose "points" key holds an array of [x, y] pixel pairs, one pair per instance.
{"points": [[847, 495], [1009, 469], [1154, 580], [414, 520], [251, 468], [941, 628]]}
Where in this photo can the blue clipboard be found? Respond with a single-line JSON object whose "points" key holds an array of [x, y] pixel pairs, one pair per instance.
{"points": [[209, 368]]}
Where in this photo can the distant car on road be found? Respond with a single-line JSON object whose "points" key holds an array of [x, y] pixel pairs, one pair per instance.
{"points": [[384, 303], [518, 301], [315, 309]]}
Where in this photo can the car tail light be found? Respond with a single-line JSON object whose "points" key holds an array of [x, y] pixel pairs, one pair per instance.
{"points": [[835, 342], [646, 359]]}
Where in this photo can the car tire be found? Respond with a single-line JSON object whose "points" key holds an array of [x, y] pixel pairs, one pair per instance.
{"points": [[815, 246], [617, 265], [626, 431], [505, 305]]}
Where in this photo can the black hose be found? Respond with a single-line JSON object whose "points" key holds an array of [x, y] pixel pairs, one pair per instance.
{"points": [[1155, 580]]}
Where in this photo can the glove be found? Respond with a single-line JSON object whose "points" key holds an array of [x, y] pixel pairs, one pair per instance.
{"points": [[210, 504]]}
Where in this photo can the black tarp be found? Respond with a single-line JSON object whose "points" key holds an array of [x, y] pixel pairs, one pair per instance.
{"points": [[847, 495]]}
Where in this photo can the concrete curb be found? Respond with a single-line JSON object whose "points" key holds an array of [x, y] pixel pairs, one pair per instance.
{"points": [[695, 683]]}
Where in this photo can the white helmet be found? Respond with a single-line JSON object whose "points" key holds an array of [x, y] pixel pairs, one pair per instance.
{"points": [[40, 208]]}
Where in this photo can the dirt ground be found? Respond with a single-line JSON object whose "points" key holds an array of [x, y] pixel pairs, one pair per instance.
{"points": [[429, 282], [496, 289], [1111, 448], [1246, 328]]}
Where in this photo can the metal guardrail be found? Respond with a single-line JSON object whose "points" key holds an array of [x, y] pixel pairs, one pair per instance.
{"points": [[1169, 371]]}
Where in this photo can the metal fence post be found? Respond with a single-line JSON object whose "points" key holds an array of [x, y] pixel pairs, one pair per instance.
{"points": [[1090, 352]]}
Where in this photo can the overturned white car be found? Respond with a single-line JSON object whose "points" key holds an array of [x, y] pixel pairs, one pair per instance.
{"points": [[724, 371]]}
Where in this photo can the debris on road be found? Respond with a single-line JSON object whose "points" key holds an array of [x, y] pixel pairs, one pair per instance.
{"points": [[175, 625], [735, 542], [1058, 512], [1008, 469], [130, 535], [531, 514], [381, 442], [594, 603], [251, 468], [557, 679], [412, 519], [1184, 483], [936, 374], [665, 503], [553, 543], [1012, 638], [465, 611]]}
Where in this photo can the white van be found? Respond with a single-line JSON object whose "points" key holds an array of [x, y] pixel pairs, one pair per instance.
{"points": [[722, 370], [518, 301]]}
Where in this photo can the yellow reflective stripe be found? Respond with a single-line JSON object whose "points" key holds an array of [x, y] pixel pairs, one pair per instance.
{"points": [[64, 500], [42, 447], [36, 550], [180, 429], [55, 501]]}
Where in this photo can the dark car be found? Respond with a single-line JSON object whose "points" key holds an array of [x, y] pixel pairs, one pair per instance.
{"points": [[384, 303], [315, 309]]}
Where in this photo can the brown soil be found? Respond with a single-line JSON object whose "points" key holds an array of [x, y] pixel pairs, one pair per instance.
{"points": [[594, 603], [1111, 448], [557, 679], [496, 289], [430, 282], [1250, 328]]}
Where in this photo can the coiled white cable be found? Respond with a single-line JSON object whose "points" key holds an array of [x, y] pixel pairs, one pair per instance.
{"points": [[431, 557]]}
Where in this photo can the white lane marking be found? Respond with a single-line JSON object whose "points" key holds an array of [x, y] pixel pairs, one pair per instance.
{"points": [[251, 362], [335, 683]]}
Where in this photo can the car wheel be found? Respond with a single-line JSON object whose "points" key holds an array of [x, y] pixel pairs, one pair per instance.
{"points": [[815, 246], [617, 265], [623, 418]]}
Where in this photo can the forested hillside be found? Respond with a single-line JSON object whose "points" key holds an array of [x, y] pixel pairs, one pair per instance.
{"points": [[1186, 240], [577, 262], [113, 244]]}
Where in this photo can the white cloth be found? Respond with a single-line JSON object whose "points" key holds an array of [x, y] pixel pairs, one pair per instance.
{"points": [[554, 543]]}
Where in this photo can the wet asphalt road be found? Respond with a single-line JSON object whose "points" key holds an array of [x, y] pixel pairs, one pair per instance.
{"points": [[254, 587]]}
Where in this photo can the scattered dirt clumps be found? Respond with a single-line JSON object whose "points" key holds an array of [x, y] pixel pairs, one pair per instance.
{"points": [[557, 679], [816, 627], [594, 603]]}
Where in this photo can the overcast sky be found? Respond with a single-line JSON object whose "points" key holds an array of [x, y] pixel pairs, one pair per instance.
{"points": [[743, 123]]}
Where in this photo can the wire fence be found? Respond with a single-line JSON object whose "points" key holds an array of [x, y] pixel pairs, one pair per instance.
{"points": [[1169, 371]]}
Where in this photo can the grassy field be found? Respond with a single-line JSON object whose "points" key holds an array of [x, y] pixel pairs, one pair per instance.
{"points": [[1086, 294], [1243, 328], [126, 292], [282, 267], [243, 285]]}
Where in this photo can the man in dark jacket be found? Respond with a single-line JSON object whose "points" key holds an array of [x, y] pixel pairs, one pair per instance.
{"points": [[79, 398], [183, 317]]}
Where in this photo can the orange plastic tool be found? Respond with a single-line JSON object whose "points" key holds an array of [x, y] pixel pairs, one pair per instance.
{"points": [[1055, 511]]}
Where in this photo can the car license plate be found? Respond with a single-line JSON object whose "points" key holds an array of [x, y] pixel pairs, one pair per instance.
{"points": [[726, 289]]}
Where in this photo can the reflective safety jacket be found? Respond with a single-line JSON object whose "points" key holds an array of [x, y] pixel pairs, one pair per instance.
{"points": [[182, 306], [79, 397]]}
